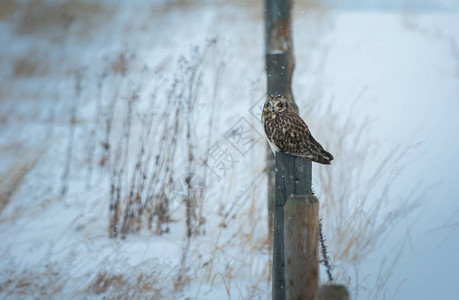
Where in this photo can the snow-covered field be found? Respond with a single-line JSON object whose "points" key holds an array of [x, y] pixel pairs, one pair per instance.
{"points": [[89, 88]]}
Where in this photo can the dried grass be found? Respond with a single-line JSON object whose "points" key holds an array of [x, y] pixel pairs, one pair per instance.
{"points": [[26, 284], [127, 285], [142, 166], [357, 204], [136, 282], [12, 178]]}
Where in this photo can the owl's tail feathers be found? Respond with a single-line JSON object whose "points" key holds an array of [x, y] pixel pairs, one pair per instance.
{"points": [[323, 158]]}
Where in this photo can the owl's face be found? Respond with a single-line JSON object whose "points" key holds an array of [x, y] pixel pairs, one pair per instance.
{"points": [[275, 104]]}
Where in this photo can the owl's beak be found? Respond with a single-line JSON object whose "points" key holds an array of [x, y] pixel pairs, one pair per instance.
{"points": [[272, 109]]}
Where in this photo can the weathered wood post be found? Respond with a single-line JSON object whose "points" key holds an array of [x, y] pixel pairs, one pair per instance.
{"points": [[279, 70], [293, 177], [295, 239], [301, 239]]}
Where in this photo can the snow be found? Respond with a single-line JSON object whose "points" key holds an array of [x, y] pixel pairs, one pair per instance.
{"points": [[394, 74]]}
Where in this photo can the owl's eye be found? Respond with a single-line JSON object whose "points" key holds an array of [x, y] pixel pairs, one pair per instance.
{"points": [[279, 104]]}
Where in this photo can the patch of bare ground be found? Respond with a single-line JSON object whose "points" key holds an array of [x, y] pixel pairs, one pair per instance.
{"points": [[7, 8], [47, 18], [31, 64]]}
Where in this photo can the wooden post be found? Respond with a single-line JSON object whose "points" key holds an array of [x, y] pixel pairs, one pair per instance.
{"points": [[293, 177], [301, 240], [287, 174], [276, 66], [279, 71], [279, 48], [333, 292]]}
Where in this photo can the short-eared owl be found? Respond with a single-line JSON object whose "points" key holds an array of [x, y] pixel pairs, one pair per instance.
{"points": [[287, 132]]}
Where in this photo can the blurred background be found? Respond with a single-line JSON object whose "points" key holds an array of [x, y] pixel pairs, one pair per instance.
{"points": [[132, 159]]}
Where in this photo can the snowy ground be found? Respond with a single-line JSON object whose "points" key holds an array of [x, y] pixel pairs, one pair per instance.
{"points": [[380, 90]]}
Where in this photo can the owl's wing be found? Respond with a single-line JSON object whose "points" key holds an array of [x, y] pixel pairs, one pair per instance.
{"points": [[293, 137]]}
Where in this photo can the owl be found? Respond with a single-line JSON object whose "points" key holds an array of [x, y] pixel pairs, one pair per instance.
{"points": [[287, 132]]}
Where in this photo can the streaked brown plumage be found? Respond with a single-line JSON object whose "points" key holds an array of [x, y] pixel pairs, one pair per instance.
{"points": [[287, 132]]}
